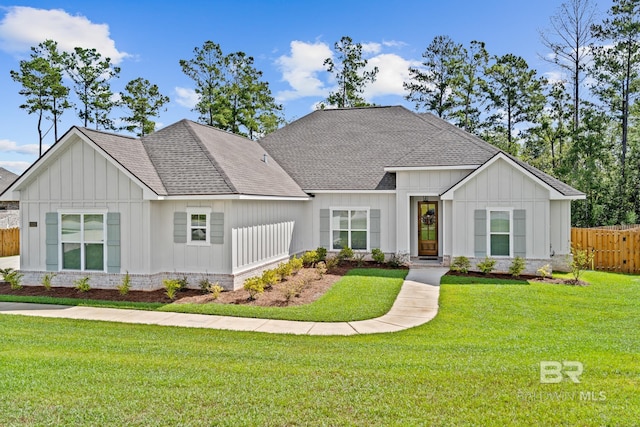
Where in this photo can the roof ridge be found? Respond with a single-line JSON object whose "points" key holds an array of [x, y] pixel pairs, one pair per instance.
{"points": [[207, 153]]}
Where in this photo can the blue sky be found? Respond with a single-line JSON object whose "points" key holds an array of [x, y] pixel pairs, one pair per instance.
{"points": [[288, 39]]}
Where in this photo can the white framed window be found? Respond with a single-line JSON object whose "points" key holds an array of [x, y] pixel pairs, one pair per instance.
{"points": [[500, 232], [82, 240], [350, 228], [198, 226]]}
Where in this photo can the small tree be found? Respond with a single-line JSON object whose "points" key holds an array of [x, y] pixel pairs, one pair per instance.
{"points": [[579, 261], [144, 101]]}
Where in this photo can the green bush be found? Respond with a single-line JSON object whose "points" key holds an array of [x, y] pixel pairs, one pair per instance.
{"points": [[125, 286], [517, 266], [171, 286], [461, 264], [12, 277], [487, 265], [184, 282], [322, 253], [255, 286], [270, 278], [215, 289], [284, 269], [293, 289], [545, 271], [296, 264], [398, 260], [82, 284], [46, 280], [309, 258], [579, 261], [332, 263], [345, 254], [377, 255]]}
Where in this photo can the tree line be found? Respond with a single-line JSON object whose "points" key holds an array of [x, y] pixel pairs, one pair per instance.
{"points": [[582, 129]]}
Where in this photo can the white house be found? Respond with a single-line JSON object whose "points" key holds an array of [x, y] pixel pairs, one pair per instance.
{"points": [[193, 200]]}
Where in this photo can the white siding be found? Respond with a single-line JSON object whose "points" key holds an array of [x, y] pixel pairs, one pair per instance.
{"points": [[385, 202], [81, 178], [560, 230], [501, 185]]}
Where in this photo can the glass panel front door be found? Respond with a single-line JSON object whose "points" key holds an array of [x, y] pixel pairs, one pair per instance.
{"points": [[428, 228]]}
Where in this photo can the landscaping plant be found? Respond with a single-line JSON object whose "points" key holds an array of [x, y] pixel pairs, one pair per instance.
{"points": [[255, 286], [82, 284], [345, 254], [460, 264], [487, 265], [285, 270], [46, 280], [517, 266], [377, 255], [12, 277], [171, 286], [309, 258], [270, 278], [579, 261], [545, 271], [296, 264], [321, 269], [215, 289], [322, 253], [125, 286]]}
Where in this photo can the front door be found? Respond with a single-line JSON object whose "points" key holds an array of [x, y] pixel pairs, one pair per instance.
{"points": [[428, 228]]}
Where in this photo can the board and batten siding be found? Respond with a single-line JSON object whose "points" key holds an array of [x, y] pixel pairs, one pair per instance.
{"points": [[265, 231], [384, 202], [501, 185], [81, 178], [560, 232]]}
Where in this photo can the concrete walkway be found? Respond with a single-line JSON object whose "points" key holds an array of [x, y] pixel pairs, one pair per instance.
{"points": [[416, 304]]}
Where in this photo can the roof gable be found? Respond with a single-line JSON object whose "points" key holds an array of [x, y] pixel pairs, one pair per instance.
{"points": [[6, 179]]}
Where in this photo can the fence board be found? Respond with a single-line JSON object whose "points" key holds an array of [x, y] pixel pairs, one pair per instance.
{"points": [[10, 242], [615, 248]]}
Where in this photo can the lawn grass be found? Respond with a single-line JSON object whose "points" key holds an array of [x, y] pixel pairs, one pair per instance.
{"points": [[476, 363], [361, 294]]}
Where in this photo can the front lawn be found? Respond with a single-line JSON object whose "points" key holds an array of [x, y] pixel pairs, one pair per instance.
{"points": [[476, 363]]}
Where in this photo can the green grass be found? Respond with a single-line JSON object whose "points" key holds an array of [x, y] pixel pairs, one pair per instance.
{"points": [[476, 363], [361, 294]]}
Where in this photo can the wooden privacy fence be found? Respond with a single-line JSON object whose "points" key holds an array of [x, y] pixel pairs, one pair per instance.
{"points": [[615, 248], [9, 241]]}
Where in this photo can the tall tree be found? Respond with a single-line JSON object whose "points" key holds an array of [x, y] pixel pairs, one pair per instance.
{"points": [[432, 85], [231, 94], [568, 39], [350, 74], [616, 69], [41, 80], [91, 75], [144, 101], [467, 88], [515, 97]]}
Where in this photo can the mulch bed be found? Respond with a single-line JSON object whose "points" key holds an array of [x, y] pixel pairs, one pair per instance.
{"points": [[526, 277]]}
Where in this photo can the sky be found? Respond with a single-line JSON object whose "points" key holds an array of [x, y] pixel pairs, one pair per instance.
{"points": [[289, 41]]}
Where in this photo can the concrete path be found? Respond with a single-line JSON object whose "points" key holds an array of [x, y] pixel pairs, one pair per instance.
{"points": [[416, 304], [10, 262]]}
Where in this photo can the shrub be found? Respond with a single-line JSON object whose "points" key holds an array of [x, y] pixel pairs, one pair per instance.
{"points": [[579, 261], [284, 269], [46, 280], [293, 289], [296, 264], [377, 255], [12, 277], [270, 278], [204, 284], [517, 266], [321, 269], [215, 289], [171, 286], [332, 263], [82, 285], [461, 264], [345, 254], [487, 265], [184, 282], [255, 286], [125, 286], [359, 258], [309, 258], [545, 271], [322, 254], [399, 260]]}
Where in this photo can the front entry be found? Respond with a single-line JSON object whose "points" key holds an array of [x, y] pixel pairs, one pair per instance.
{"points": [[428, 229]]}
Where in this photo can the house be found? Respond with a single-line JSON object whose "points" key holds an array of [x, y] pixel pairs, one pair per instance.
{"points": [[196, 201], [9, 210]]}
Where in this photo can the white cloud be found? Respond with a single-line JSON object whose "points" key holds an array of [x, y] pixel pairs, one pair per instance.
{"points": [[371, 48], [300, 70], [186, 97], [394, 43], [555, 76], [23, 27], [15, 167], [393, 70], [7, 146]]}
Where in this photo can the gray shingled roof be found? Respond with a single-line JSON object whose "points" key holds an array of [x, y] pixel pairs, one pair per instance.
{"points": [[348, 149], [188, 158], [6, 179]]}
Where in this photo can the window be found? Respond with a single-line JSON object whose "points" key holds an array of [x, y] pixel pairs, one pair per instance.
{"points": [[500, 236], [350, 228], [198, 226], [82, 240]]}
